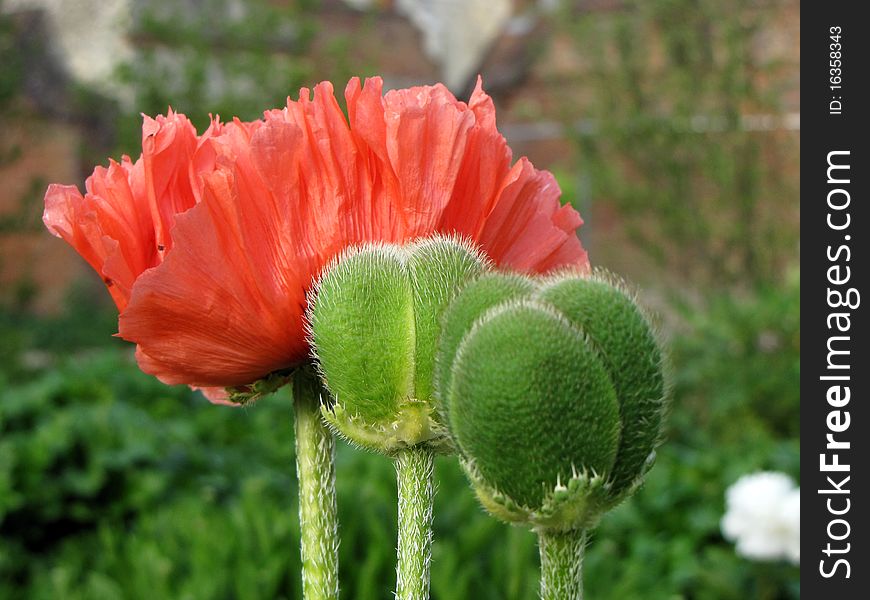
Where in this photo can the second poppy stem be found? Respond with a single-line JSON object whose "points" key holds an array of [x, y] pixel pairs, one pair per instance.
{"points": [[318, 512], [562, 564], [414, 474]]}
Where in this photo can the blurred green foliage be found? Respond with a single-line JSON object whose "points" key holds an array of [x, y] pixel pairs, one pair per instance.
{"points": [[113, 485], [11, 61], [217, 57], [686, 136]]}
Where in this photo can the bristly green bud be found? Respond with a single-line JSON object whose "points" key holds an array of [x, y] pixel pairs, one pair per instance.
{"points": [[489, 290], [374, 323], [553, 393], [618, 329]]}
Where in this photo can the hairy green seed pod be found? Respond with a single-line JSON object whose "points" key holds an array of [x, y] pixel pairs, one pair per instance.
{"points": [[488, 290], [374, 324], [553, 393], [618, 329]]}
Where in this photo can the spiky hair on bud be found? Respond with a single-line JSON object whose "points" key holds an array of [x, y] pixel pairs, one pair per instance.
{"points": [[373, 322]]}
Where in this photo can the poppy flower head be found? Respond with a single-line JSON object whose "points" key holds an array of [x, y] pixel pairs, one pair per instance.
{"points": [[210, 242]]}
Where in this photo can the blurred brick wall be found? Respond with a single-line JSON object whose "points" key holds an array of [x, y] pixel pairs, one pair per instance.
{"points": [[537, 88], [35, 268]]}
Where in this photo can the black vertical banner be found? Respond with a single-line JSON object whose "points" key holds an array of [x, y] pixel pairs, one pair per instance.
{"points": [[835, 369]]}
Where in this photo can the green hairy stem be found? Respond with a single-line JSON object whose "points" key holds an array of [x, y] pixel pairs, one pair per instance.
{"points": [[414, 471], [561, 564], [315, 468]]}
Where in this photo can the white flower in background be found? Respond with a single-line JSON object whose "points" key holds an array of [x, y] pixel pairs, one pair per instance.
{"points": [[762, 517]]}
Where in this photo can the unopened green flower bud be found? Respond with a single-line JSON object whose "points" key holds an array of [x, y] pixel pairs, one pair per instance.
{"points": [[489, 290], [553, 393], [622, 335], [374, 321]]}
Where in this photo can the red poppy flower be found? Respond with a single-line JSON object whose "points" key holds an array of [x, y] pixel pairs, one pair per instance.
{"points": [[121, 225], [209, 243]]}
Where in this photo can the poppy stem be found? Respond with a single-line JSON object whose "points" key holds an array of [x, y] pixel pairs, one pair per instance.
{"points": [[562, 564], [414, 473], [315, 469]]}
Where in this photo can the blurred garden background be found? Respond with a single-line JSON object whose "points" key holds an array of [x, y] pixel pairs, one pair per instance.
{"points": [[672, 126]]}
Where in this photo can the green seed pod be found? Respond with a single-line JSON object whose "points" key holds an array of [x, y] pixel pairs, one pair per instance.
{"points": [[610, 317], [553, 394], [487, 291], [373, 321]]}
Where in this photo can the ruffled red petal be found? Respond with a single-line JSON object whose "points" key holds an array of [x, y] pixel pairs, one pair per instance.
{"points": [[485, 165], [120, 225], [225, 306], [168, 147], [528, 230], [109, 226], [215, 239]]}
